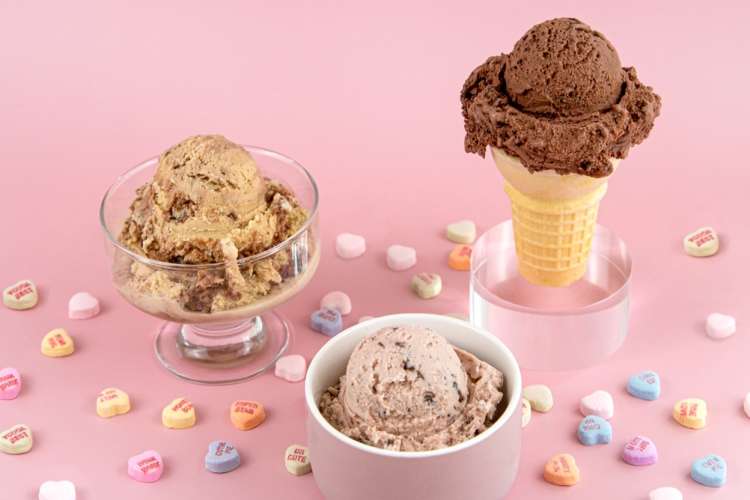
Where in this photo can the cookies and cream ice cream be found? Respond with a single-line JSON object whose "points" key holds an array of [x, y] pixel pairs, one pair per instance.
{"points": [[406, 388]]}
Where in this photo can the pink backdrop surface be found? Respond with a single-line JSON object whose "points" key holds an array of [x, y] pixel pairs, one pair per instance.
{"points": [[365, 96]]}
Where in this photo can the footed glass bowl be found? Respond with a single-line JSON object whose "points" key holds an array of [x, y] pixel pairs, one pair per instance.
{"points": [[231, 343]]}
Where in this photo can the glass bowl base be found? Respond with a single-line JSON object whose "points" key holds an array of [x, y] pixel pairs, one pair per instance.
{"points": [[222, 353]]}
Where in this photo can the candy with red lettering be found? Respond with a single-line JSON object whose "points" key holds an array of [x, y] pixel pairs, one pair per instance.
{"points": [[83, 305], [112, 401], [703, 242], [720, 326], [562, 470], [594, 430], [291, 368], [599, 403], [645, 385], [327, 322], [10, 383], [16, 440], [427, 285], [640, 451], [400, 257], [21, 295], [460, 258], [710, 470], [57, 490], [246, 415], [338, 301], [179, 414], [691, 413], [146, 467], [221, 457], [297, 460], [57, 344], [350, 246]]}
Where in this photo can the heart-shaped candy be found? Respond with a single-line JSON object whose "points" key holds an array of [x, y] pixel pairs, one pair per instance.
{"points": [[427, 285], [146, 467], [400, 258], [57, 344], [83, 305], [594, 430], [540, 397], [640, 451], [222, 457], [645, 385], [327, 321], [703, 242], [179, 414], [463, 231], [20, 296], [562, 470], [16, 440], [10, 383], [246, 415], [665, 493], [710, 470], [297, 460], [525, 412], [350, 246], [112, 401], [691, 413], [57, 490], [720, 326], [460, 258], [291, 368], [599, 403], [338, 301]]}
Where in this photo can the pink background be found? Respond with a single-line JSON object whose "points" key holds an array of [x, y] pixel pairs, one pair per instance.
{"points": [[367, 98]]}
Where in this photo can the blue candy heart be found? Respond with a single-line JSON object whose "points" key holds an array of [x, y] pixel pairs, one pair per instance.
{"points": [[645, 385], [326, 321], [594, 430], [710, 470], [222, 457]]}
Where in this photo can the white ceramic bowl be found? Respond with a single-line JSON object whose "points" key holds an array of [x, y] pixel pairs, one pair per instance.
{"points": [[481, 468]]}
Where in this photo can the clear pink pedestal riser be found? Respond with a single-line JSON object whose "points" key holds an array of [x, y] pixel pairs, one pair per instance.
{"points": [[552, 328]]}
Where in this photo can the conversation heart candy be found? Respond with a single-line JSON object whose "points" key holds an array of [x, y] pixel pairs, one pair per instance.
{"points": [[112, 401], [327, 321], [645, 385], [291, 368], [460, 258], [746, 405], [703, 242], [525, 412], [593, 429], [710, 470], [640, 451], [179, 414], [599, 403], [57, 490], [720, 326], [463, 231], [338, 301], [540, 397], [57, 344], [10, 383], [146, 467], [297, 460], [246, 415], [400, 258], [665, 493], [20, 296], [427, 285], [691, 413], [562, 470], [350, 246], [83, 305], [221, 457], [16, 440]]}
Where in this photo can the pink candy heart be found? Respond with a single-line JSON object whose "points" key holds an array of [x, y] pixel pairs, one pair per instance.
{"points": [[640, 451], [146, 467], [598, 403], [291, 368], [350, 246], [400, 258], [338, 301], [83, 306], [10, 383]]}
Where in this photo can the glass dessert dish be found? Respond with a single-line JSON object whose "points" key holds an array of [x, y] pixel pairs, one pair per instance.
{"points": [[244, 336]]}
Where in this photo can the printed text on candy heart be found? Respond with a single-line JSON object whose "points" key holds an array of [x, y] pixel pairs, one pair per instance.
{"points": [[561, 464], [223, 448], [182, 405], [56, 340], [20, 291], [692, 411], [148, 464], [8, 381], [712, 464], [15, 435], [245, 408], [701, 238], [297, 456], [648, 378], [638, 444]]}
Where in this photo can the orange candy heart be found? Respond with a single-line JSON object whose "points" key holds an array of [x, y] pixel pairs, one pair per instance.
{"points": [[562, 470], [246, 415], [460, 258]]}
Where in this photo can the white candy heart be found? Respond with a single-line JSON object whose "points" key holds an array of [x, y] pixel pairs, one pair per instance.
{"points": [[20, 296], [427, 285], [57, 490], [337, 300], [297, 460], [83, 305], [720, 326], [400, 258], [701, 243], [540, 397], [350, 246], [665, 493], [463, 231], [599, 403]]}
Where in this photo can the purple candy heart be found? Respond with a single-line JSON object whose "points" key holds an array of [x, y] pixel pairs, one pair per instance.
{"points": [[326, 321], [640, 451]]}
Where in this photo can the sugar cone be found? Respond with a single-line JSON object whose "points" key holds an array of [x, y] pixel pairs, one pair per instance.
{"points": [[554, 217]]}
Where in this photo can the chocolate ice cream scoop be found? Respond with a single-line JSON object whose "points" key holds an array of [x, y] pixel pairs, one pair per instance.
{"points": [[563, 67]]}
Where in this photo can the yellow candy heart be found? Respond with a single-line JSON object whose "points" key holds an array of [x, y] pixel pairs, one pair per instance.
{"points": [[179, 414], [111, 402], [57, 344], [16, 440], [691, 413]]}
